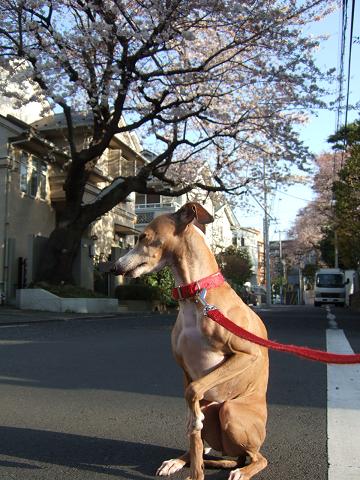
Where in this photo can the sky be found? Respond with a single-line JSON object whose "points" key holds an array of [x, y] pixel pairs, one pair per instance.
{"points": [[285, 204]]}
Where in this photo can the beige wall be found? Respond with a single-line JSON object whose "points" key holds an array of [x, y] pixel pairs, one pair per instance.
{"points": [[3, 171], [27, 215]]}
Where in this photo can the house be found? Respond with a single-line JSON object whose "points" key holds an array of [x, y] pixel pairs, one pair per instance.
{"points": [[252, 239], [31, 180], [224, 232]]}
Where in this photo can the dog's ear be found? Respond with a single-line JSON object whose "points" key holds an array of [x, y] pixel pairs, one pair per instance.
{"points": [[193, 212]]}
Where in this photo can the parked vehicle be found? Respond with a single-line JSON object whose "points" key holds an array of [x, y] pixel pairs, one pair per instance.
{"points": [[258, 294], [330, 287]]}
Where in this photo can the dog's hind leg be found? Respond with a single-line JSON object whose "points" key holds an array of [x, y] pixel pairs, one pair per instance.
{"points": [[243, 429]]}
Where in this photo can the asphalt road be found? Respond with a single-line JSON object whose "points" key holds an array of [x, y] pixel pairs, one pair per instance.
{"points": [[97, 399]]}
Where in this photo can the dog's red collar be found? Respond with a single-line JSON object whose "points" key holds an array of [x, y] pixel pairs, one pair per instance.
{"points": [[190, 290]]}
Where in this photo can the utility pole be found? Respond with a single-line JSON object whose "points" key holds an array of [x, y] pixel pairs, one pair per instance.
{"points": [[336, 244], [281, 268], [266, 241], [336, 249]]}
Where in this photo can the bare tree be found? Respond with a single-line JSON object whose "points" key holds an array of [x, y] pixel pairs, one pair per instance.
{"points": [[217, 79]]}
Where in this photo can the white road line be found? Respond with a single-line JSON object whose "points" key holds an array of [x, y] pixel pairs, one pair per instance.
{"points": [[331, 317], [21, 325], [343, 419]]}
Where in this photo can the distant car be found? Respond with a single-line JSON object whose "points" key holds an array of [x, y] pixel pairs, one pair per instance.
{"points": [[258, 294], [258, 290]]}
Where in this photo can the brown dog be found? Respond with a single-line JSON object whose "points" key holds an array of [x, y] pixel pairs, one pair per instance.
{"points": [[225, 377]]}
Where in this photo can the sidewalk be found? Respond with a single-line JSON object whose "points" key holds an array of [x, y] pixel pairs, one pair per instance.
{"points": [[15, 316]]}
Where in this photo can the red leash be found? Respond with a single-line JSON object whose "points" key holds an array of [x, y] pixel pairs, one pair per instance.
{"points": [[199, 289], [309, 353]]}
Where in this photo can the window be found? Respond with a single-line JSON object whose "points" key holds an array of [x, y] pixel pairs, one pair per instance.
{"points": [[32, 176], [147, 199], [42, 180], [140, 199], [329, 280], [153, 198], [23, 172], [33, 180]]}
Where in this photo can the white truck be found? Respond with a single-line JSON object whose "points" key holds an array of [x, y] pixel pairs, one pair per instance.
{"points": [[330, 287]]}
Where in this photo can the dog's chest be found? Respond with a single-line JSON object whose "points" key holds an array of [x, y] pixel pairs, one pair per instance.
{"points": [[194, 349]]}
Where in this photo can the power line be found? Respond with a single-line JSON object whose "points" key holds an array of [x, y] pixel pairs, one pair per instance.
{"points": [[293, 196], [349, 62], [341, 60], [257, 201], [341, 75]]}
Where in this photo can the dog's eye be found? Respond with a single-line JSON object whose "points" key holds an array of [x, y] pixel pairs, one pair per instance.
{"points": [[146, 238]]}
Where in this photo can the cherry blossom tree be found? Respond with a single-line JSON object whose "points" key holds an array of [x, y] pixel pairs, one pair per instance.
{"points": [[346, 192], [319, 215], [220, 80]]}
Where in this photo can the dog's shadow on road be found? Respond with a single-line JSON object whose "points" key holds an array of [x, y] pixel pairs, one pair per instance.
{"points": [[30, 449]]}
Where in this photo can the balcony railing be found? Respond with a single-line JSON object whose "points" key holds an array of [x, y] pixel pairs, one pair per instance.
{"points": [[148, 211], [162, 205]]}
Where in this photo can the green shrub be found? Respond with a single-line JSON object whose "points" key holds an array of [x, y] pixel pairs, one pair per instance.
{"points": [[235, 264], [164, 282], [137, 291]]}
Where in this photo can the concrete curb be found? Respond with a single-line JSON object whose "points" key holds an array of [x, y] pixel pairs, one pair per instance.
{"points": [[40, 299]]}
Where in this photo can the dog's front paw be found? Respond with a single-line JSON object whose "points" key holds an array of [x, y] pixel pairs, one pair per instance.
{"points": [[170, 466], [237, 475]]}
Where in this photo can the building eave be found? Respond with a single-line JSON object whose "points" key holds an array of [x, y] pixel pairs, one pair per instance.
{"points": [[37, 145]]}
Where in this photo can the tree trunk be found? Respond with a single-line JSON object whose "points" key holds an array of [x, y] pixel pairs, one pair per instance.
{"points": [[62, 247], [56, 265]]}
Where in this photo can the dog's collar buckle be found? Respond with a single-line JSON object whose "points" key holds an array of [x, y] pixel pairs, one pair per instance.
{"points": [[200, 297]]}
